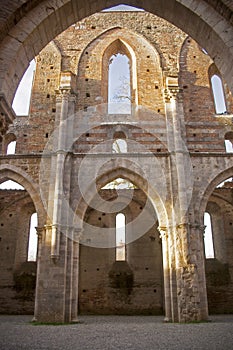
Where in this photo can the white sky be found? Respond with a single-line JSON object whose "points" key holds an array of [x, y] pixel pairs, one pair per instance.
{"points": [[10, 185], [33, 238], [123, 8], [118, 72], [219, 97], [23, 93], [208, 238], [119, 85]]}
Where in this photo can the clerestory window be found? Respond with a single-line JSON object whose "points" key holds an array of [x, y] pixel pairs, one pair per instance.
{"points": [[33, 239], [218, 94], [119, 86], [120, 237], [208, 237], [11, 147]]}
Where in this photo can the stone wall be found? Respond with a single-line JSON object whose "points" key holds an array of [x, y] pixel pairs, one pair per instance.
{"points": [[219, 270], [18, 276], [134, 286], [161, 50], [108, 286], [175, 154]]}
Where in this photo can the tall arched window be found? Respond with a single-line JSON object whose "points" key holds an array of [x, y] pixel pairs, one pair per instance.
{"points": [[119, 86], [33, 240], [218, 93], [208, 237], [120, 237], [11, 147]]}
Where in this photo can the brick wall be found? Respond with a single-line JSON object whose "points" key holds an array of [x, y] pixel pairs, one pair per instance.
{"points": [[17, 275]]}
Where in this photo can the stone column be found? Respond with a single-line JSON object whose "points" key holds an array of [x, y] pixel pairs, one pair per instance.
{"points": [[7, 116], [187, 278], [75, 280], [166, 273], [198, 258], [41, 237], [60, 156], [55, 275], [188, 282], [68, 272], [58, 206]]}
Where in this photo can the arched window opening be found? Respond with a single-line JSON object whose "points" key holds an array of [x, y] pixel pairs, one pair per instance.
{"points": [[11, 147], [119, 146], [119, 87], [11, 185], [208, 237], [228, 146], [33, 240], [218, 93], [120, 237], [229, 142], [22, 97], [122, 7], [119, 184]]}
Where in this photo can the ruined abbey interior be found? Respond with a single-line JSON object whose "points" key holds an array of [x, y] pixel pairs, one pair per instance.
{"points": [[125, 157]]}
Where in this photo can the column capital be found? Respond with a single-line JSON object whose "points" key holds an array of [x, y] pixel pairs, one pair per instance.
{"points": [[172, 90], [65, 94], [163, 230], [183, 225], [40, 230], [173, 93], [194, 226]]}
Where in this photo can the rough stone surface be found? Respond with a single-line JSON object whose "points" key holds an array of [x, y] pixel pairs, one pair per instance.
{"points": [[175, 157]]}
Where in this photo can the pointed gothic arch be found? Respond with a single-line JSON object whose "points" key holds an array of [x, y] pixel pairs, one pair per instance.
{"points": [[202, 204], [119, 46], [10, 172], [130, 172]]}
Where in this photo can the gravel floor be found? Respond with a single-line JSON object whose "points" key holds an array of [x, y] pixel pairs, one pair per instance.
{"points": [[116, 332]]}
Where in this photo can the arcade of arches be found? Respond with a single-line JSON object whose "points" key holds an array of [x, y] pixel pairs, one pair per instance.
{"points": [[160, 166]]}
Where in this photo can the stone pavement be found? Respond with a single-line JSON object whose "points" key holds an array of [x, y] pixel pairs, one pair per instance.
{"points": [[116, 332]]}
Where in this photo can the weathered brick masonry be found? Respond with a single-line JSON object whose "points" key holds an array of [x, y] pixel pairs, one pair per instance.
{"points": [[175, 157]]}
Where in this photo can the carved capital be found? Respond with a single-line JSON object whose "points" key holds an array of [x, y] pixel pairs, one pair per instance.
{"points": [[198, 227], [172, 90], [174, 93], [202, 228], [40, 233], [163, 232], [183, 226], [7, 114], [65, 95]]}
